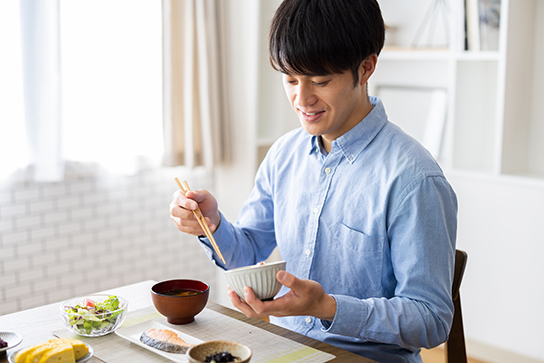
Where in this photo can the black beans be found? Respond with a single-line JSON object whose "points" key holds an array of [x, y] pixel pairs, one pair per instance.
{"points": [[220, 357]]}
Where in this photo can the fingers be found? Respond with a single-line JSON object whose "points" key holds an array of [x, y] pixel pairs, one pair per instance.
{"points": [[182, 214], [187, 226], [305, 297], [288, 280], [188, 201], [250, 306]]}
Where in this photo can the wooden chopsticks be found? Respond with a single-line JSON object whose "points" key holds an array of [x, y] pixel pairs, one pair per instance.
{"points": [[200, 218]]}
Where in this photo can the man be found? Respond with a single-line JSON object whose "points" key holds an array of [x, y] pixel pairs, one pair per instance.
{"points": [[360, 211]]}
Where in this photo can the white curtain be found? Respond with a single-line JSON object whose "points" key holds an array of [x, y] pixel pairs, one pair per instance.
{"points": [[196, 125], [13, 151], [42, 86], [112, 83], [90, 75]]}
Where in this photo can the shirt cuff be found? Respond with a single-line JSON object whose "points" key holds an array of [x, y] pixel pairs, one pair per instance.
{"points": [[221, 234], [350, 318]]}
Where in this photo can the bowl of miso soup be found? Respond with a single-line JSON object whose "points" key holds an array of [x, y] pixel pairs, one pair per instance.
{"points": [[180, 300]]}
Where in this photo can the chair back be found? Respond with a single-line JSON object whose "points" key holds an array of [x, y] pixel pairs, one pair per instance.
{"points": [[455, 346]]}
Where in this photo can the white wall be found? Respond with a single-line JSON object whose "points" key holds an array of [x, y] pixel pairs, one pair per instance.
{"points": [[500, 227], [87, 234]]}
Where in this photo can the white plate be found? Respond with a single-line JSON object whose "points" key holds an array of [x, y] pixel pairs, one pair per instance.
{"points": [[13, 340], [83, 359], [134, 332]]}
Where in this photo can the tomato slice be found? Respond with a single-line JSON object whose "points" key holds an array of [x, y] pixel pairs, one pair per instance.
{"points": [[88, 302]]}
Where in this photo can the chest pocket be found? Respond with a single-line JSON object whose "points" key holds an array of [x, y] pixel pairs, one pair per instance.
{"points": [[359, 257]]}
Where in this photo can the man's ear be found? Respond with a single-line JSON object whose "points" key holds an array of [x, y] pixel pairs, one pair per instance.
{"points": [[367, 67]]}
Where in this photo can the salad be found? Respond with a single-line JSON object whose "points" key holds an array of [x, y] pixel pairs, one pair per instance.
{"points": [[94, 317]]}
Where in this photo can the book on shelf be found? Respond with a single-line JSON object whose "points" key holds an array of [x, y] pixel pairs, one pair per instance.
{"points": [[472, 24], [482, 21], [490, 14]]}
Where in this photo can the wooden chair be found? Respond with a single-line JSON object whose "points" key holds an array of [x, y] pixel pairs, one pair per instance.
{"points": [[455, 346]]}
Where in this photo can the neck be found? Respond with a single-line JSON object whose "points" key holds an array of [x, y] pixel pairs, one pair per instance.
{"points": [[357, 117]]}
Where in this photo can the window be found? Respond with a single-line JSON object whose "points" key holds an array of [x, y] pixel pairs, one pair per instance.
{"points": [[110, 81]]}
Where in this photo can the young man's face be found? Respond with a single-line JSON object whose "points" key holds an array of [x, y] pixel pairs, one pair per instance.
{"points": [[329, 105]]}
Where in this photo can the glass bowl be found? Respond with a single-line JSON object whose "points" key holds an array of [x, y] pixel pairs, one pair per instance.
{"points": [[94, 315]]}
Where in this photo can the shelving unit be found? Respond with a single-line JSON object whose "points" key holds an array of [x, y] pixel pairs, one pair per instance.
{"points": [[494, 121]]}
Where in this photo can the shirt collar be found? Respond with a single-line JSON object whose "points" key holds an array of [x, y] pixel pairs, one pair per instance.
{"points": [[353, 142]]}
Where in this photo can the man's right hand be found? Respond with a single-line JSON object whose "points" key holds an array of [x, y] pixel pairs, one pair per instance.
{"points": [[182, 207]]}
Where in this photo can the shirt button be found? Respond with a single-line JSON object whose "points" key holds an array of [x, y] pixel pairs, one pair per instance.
{"points": [[327, 170], [308, 252], [308, 320], [316, 210]]}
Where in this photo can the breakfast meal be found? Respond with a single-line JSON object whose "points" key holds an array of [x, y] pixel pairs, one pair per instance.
{"points": [[221, 357], [165, 340], [64, 350], [94, 317]]}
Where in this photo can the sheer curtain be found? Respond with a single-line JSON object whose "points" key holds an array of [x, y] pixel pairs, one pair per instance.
{"points": [[13, 150], [196, 124], [112, 82], [92, 77], [122, 84], [42, 86]]}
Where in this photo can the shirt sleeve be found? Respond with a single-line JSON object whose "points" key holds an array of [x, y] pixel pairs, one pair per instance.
{"points": [[252, 238], [421, 232]]}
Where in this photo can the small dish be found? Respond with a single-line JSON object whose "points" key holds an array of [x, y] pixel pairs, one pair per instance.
{"points": [[132, 333], [260, 277], [13, 340], [85, 358], [198, 353]]}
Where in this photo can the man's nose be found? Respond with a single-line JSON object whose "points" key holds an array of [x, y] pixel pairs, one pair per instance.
{"points": [[305, 96]]}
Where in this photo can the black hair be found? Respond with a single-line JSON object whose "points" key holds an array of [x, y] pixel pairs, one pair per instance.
{"points": [[319, 37]]}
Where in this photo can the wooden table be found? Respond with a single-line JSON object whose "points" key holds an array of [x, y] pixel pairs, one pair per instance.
{"points": [[36, 325]]}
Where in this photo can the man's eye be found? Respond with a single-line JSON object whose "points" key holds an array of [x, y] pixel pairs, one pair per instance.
{"points": [[321, 83]]}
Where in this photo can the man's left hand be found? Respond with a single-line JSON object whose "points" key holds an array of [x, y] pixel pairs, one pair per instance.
{"points": [[306, 297]]}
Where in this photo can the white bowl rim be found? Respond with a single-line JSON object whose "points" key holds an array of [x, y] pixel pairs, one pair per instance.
{"points": [[251, 267]]}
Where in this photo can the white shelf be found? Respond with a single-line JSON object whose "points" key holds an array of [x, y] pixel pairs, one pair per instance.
{"points": [[404, 53], [437, 55], [495, 122]]}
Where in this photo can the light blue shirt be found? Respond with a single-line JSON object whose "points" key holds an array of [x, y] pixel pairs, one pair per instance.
{"points": [[374, 222]]}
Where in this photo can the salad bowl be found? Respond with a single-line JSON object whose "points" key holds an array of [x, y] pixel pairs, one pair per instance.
{"points": [[94, 315]]}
